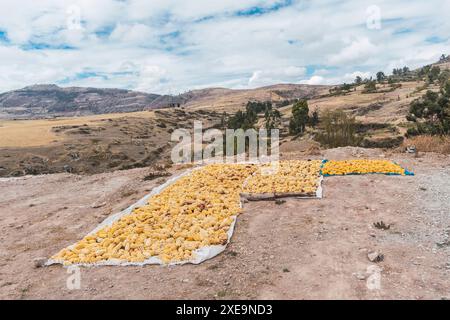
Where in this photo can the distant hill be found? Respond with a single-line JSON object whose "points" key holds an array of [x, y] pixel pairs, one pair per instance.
{"points": [[46, 101], [41, 101]]}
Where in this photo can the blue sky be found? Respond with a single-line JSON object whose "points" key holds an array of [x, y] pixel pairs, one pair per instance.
{"points": [[171, 46]]}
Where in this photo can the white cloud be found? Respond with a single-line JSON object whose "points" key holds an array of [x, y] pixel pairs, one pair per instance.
{"points": [[314, 80], [354, 52], [173, 45], [133, 34], [267, 77], [150, 77]]}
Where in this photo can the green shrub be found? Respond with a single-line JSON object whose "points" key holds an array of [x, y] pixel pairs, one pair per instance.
{"points": [[338, 130]]}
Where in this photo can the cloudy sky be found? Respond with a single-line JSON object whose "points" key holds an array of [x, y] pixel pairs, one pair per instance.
{"points": [[170, 46]]}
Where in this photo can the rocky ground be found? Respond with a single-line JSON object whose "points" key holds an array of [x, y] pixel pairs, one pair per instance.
{"points": [[299, 249]]}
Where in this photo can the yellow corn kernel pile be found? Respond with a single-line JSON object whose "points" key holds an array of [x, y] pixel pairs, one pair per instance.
{"points": [[291, 177], [196, 211], [361, 167]]}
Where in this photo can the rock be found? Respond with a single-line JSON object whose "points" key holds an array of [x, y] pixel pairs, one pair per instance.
{"points": [[360, 275], [99, 205], [411, 149], [375, 256], [39, 262]]}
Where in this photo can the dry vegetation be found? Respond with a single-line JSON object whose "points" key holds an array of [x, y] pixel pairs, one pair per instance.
{"points": [[93, 144], [428, 143], [33, 133]]}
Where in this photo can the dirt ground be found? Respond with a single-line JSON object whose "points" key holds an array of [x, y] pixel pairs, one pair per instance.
{"points": [[300, 249]]}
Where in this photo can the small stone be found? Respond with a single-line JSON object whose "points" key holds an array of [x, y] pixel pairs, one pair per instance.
{"points": [[39, 262], [375, 256], [360, 276], [98, 205]]}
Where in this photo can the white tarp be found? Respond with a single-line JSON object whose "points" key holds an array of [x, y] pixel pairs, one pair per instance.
{"points": [[198, 256]]}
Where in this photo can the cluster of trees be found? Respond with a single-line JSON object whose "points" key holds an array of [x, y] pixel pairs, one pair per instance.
{"points": [[344, 88], [287, 102], [247, 119], [430, 73], [301, 118], [401, 71], [243, 120], [382, 77], [272, 117], [431, 113], [258, 106]]}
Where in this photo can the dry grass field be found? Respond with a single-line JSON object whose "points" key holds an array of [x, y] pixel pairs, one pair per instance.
{"points": [[429, 144], [34, 133]]}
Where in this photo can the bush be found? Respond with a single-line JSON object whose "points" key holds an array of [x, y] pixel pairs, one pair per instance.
{"points": [[339, 130], [370, 87], [431, 113]]}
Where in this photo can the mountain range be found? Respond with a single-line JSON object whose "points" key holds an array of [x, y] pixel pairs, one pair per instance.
{"points": [[49, 100]]}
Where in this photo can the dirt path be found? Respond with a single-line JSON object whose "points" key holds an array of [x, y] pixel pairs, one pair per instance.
{"points": [[302, 249]]}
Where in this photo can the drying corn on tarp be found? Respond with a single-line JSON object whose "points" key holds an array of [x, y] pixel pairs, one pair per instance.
{"points": [[359, 166], [294, 178], [189, 219]]}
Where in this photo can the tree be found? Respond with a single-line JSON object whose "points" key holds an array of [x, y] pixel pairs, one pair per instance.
{"points": [[272, 119], [381, 76], [434, 73], [370, 86], [300, 117], [314, 120], [223, 120], [358, 80], [431, 112], [444, 77], [424, 71], [339, 130], [346, 87]]}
